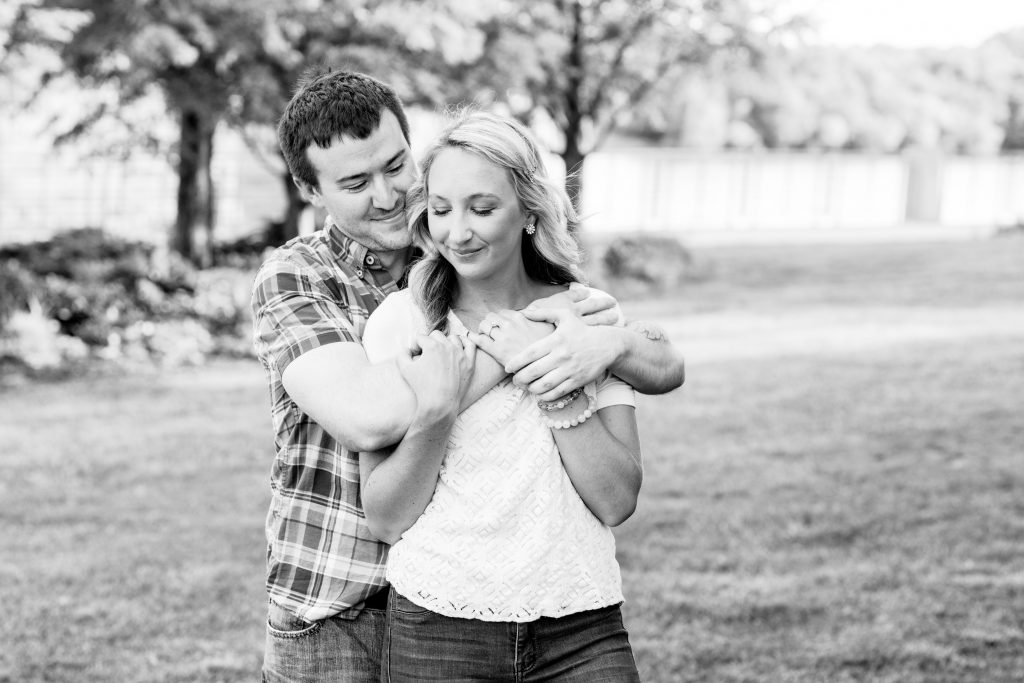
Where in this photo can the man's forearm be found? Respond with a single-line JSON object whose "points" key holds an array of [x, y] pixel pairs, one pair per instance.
{"points": [[383, 411], [647, 361], [390, 422]]}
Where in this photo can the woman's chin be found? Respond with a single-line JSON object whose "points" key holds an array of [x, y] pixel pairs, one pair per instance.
{"points": [[470, 274], [471, 271]]}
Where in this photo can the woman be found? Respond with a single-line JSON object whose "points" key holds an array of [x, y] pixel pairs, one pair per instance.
{"points": [[503, 562]]}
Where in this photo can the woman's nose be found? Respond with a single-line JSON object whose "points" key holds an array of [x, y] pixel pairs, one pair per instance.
{"points": [[460, 230]]}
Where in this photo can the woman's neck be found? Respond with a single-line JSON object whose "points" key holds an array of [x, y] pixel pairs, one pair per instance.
{"points": [[478, 297]]}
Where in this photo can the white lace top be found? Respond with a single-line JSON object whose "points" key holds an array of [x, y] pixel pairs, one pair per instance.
{"points": [[506, 537]]}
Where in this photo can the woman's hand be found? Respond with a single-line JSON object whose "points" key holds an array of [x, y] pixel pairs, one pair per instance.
{"points": [[438, 370], [503, 334], [397, 482]]}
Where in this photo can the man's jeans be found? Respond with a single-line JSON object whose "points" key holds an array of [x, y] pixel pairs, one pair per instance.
{"points": [[332, 650], [588, 647]]}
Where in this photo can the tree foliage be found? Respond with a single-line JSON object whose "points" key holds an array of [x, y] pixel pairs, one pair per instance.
{"points": [[583, 65], [878, 99], [191, 53], [220, 61]]}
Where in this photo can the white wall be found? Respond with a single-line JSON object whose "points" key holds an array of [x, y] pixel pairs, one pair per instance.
{"points": [[731, 196], [678, 192]]}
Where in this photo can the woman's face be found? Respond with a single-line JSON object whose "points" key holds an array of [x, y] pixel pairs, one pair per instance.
{"points": [[473, 214]]}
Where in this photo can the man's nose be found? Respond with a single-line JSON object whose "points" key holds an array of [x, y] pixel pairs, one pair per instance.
{"points": [[383, 193]]}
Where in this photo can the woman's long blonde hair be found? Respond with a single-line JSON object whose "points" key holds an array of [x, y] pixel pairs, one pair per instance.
{"points": [[551, 255]]}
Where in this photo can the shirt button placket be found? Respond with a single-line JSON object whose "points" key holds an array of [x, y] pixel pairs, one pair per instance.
{"points": [[369, 261]]}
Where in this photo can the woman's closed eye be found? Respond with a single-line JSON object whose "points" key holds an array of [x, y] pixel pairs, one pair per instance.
{"points": [[475, 210]]}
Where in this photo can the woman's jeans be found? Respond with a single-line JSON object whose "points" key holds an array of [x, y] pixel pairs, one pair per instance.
{"points": [[589, 647]]}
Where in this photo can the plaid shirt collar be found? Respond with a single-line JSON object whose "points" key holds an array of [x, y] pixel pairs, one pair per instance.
{"points": [[358, 256], [344, 247]]}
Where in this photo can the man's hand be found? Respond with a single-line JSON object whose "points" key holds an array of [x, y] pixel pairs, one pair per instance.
{"points": [[592, 306], [503, 334], [438, 370], [571, 356]]}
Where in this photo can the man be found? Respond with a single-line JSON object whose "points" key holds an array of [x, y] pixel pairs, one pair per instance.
{"points": [[346, 140]]}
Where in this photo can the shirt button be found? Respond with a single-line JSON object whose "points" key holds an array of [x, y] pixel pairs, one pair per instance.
{"points": [[359, 272]]}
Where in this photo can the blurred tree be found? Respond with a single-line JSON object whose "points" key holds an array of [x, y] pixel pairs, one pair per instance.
{"points": [[420, 49], [1002, 65], [584, 64], [220, 61], [782, 109], [191, 52]]}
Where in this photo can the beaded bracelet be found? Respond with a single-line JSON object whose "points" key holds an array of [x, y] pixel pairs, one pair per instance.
{"points": [[578, 420], [562, 402]]}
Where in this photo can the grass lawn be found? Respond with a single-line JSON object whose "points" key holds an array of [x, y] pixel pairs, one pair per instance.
{"points": [[848, 509]]}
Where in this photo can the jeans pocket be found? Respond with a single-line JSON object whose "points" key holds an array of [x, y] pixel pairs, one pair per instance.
{"points": [[283, 624], [402, 604]]}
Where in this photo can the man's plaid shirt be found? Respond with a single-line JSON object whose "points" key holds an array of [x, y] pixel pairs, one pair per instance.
{"points": [[322, 559]]}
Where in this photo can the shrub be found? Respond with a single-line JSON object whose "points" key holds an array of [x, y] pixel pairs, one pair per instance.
{"points": [[652, 262], [35, 341], [17, 288], [117, 298]]}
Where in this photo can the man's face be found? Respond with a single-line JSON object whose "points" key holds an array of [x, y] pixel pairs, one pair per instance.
{"points": [[363, 185]]}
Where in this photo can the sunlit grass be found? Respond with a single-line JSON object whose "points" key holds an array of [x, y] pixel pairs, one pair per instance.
{"points": [[835, 516], [834, 519]]}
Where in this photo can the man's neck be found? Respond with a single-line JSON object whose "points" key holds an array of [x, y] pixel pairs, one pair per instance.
{"points": [[395, 261]]}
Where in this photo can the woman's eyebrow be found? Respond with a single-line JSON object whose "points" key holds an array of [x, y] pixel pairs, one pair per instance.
{"points": [[476, 195]]}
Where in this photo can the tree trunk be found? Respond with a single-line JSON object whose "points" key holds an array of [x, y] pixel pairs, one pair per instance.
{"points": [[193, 233], [573, 158], [281, 232], [573, 155]]}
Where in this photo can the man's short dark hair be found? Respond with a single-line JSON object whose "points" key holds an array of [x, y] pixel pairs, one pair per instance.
{"points": [[328, 105]]}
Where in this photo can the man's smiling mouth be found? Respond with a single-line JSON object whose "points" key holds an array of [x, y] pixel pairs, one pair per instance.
{"points": [[390, 215]]}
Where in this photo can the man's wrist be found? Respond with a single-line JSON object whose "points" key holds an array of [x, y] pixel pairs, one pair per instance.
{"points": [[618, 340], [429, 417]]}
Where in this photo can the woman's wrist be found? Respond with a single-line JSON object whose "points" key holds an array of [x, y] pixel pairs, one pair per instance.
{"points": [[560, 402], [570, 414]]}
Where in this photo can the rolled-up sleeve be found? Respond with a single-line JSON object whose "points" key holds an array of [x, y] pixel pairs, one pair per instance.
{"points": [[295, 312]]}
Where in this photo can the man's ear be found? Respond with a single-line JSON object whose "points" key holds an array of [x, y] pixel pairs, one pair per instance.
{"points": [[309, 193]]}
